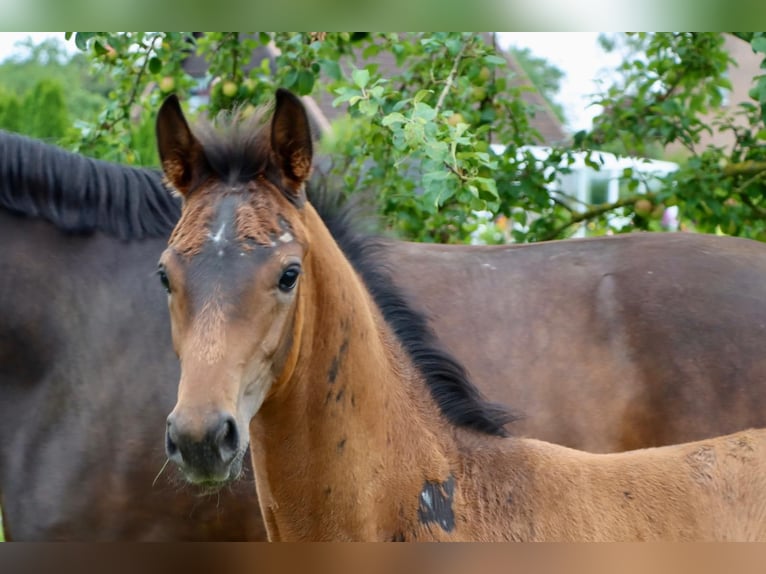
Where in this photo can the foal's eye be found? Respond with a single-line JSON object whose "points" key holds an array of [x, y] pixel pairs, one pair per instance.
{"points": [[289, 278], [164, 278]]}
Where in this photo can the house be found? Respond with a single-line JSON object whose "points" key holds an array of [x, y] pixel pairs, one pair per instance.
{"points": [[746, 67]]}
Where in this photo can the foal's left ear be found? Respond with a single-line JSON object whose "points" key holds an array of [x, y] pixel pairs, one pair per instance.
{"points": [[291, 140], [181, 154]]}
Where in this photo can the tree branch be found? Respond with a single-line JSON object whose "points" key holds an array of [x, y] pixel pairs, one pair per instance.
{"points": [[140, 75], [457, 173], [748, 167], [451, 77], [595, 212]]}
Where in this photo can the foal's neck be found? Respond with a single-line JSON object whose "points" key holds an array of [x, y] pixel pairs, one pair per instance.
{"points": [[348, 446]]}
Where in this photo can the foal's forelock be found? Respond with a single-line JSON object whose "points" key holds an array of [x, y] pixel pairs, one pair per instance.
{"points": [[257, 219]]}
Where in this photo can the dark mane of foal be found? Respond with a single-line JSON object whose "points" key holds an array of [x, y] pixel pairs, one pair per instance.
{"points": [[457, 397], [238, 151], [82, 195]]}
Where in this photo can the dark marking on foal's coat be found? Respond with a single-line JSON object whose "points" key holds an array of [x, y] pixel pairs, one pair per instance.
{"points": [[436, 500], [337, 360]]}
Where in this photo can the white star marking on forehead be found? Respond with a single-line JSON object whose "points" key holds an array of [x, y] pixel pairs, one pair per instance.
{"points": [[218, 237]]}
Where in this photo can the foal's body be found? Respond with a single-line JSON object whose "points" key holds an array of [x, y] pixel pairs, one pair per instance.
{"points": [[702, 491], [361, 427], [362, 462]]}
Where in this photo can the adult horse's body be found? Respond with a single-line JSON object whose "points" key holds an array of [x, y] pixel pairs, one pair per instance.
{"points": [[540, 327], [605, 344], [360, 426]]}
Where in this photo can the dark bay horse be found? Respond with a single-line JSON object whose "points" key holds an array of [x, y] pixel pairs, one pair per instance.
{"points": [[360, 426], [602, 344], [82, 363]]}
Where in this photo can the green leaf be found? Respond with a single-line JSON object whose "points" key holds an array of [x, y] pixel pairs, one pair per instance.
{"points": [[422, 95], [368, 108], [305, 82], [332, 69], [393, 118], [377, 92], [155, 64], [290, 78], [360, 77], [759, 44], [424, 112], [81, 40], [488, 184], [370, 51], [346, 95], [98, 47], [437, 150], [494, 60]]}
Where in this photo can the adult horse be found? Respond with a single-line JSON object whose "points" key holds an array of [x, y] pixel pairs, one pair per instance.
{"points": [[601, 344], [82, 364], [361, 426]]}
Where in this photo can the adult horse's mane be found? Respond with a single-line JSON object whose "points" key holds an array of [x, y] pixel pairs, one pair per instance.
{"points": [[82, 195]]}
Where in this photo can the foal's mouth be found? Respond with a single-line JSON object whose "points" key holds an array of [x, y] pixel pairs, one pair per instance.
{"points": [[212, 482]]}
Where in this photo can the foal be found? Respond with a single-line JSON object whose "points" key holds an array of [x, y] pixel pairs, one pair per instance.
{"points": [[360, 427]]}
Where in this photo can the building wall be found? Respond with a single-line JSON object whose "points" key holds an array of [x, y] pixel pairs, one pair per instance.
{"points": [[741, 76]]}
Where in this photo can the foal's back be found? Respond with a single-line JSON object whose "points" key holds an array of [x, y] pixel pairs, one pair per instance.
{"points": [[712, 490]]}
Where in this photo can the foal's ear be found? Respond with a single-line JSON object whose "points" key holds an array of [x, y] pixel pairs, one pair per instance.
{"points": [[180, 152], [291, 139]]}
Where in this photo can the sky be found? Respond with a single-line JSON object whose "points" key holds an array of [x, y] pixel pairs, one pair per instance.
{"points": [[576, 53], [9, 39], [582, 60]]}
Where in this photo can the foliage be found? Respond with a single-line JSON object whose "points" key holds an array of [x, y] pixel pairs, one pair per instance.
{"points": [[49, 61], [671, 84], [423, 110], [10, 111], [40, 113], [45, 111]]}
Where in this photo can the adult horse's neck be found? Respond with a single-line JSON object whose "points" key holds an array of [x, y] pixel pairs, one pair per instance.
{"points": [[350, 439]]}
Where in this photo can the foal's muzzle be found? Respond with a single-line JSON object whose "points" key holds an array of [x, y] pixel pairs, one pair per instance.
{"points": [[209, 454]]}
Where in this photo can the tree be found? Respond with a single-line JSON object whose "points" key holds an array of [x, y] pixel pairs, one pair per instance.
{"points": [[669, 83], [49, 61], [10, 112], [44, 111], [419, 136]]}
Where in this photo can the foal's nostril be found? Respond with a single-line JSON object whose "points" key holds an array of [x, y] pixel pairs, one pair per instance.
{"points": [[228, 438], [171, 446]]}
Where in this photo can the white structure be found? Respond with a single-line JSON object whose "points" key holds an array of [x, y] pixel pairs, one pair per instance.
{"points": [[585, 186]]}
